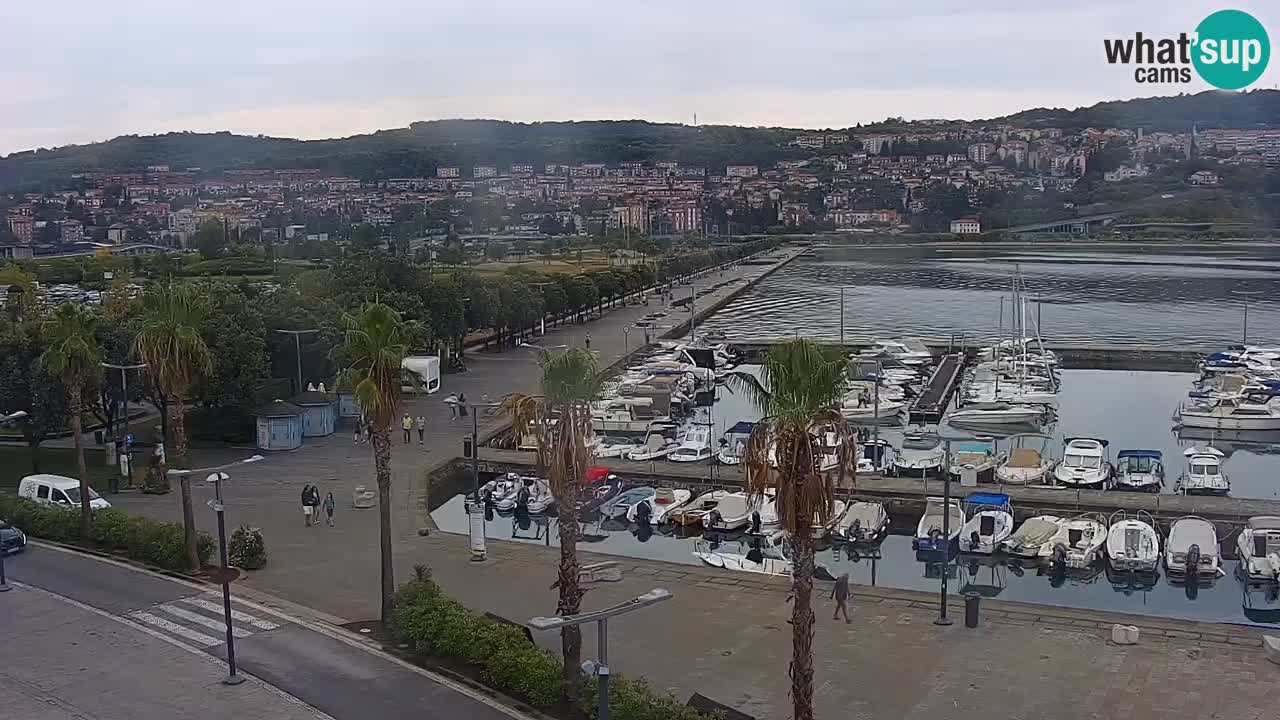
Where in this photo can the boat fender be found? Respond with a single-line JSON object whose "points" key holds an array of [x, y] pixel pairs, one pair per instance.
{"points": [[1193, 562]]}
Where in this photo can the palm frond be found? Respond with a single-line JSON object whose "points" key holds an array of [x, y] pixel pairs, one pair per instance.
{"points": [[73, 351], [374, 347]]}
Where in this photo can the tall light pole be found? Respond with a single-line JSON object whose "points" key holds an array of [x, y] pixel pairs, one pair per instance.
{"points": [[600, 668], [1246, 294], [216, 476], [946, 520], [297, 346], [478, 552], [4, 419], [127, 471], [693, 313]]}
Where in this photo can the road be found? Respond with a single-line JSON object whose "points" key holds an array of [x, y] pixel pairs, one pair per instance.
{"points": [[93, 640]]}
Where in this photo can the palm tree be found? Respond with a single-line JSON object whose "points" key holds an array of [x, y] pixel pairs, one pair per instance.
{"points": [[561, 420], [73, 354], [799, 388], [169, 342], [375, 345]]}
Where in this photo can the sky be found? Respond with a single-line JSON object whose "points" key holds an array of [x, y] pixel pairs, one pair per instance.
{"points": [[77, 71]]}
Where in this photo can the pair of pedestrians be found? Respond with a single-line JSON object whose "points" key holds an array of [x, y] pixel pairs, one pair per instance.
{"points": [[312, 506], [409, 424]]}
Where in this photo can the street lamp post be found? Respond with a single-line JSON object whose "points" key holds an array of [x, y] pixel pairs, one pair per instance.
{"points": [[693, 313], [4, 584], [297, 346], [600, 668], [127, 471], [946, 521], [216, 476], [626, 344], [478, 552]]}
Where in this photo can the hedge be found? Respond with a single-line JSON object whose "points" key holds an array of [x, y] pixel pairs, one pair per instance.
{"points": [[151, 541], [433, 623]]}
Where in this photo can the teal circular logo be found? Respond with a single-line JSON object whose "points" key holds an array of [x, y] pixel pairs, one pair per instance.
{"points": [[1231, 49]]}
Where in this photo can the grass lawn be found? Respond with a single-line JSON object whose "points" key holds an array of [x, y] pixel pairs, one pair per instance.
{"points": [[15, 464]]}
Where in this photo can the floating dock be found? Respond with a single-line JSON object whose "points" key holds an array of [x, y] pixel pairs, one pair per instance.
{"points": [[933, 401]]}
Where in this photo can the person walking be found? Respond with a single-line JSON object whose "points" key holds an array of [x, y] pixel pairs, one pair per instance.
{"points": [[407, 425], [328, 509], [841, 594], [462, 406], [421, 423], [357, 428], [588, 342], [306, 505], [452, 402]]}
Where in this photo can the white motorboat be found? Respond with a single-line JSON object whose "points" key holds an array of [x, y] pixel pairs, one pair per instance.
{"points": [[539, 498], [695, 446], [871, 411], [501, 492], [1192, 552], [1084, 464], [656, 509], [1031, 535], [1257, 411], [820, 529], [624, 415], [977, 457], [764, 560], [613, 447], [1139, 470], [921, 456], [996, 413], [657, 443], [1203, 474], [1133, 544], [734, 443], [990, 523], [622, 505], [930, 535], [1024, 464], [876, 456], [907, 352], [693, 512], [732, 512], [863, 523], [1258, 546], [1077, 544]]}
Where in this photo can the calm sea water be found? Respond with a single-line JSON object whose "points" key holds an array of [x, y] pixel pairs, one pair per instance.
{"points": [[1170, 297]]}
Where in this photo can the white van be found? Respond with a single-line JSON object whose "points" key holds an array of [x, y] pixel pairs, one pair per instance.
{"points": [[58, 490], [426, 368]]}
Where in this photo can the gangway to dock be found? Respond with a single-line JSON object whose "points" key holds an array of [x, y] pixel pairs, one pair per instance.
{"points": [[932, 402]]}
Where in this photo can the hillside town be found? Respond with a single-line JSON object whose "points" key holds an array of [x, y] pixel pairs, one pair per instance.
{"points": [[933, 176]]}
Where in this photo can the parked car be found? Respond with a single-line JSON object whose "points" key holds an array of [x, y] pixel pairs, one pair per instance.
{"points": [[12, 540], [57, 490]]}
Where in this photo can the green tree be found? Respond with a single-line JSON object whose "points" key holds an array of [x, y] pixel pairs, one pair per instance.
{"points": [[365, 238], [452, 256], [26, 384], [495, 251], [800, 388], [211, 239], [73, 354], [169, 342], [372, 352], [571, 381]]}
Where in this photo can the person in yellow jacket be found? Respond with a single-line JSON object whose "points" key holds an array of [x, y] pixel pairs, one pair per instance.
{"points": [[407, 424]]}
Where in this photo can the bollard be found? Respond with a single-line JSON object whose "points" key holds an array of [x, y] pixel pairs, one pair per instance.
{"points": [[971, 601]]}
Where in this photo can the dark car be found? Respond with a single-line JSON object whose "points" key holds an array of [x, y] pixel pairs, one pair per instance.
{"points": [[12, 540]]}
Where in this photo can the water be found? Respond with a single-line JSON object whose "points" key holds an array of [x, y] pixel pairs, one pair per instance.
{"points": [[896, 565], [1175, 297]]}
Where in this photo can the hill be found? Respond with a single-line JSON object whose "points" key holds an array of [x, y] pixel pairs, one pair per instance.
{"points": [[1209, 109]]}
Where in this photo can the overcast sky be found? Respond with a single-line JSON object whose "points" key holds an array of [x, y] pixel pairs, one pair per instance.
{"points": [[79, 71]]}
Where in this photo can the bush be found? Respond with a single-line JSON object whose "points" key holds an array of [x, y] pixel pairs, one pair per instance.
{"points": [[247, 549], [435, 624], [158, 543]]}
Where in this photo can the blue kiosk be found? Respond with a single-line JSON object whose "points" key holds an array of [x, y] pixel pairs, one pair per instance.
{"points": [[319, 412], [279, 426]]}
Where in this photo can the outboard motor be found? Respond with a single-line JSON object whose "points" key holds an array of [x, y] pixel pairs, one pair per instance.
{"points": [[935, 539], [755, 555], [755, 522], [855, 531], [712, 519], [644, 511], [975, 540], [1193, 563], [1059, 561]]}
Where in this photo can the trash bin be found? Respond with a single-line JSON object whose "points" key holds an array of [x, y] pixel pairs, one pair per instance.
{"points": [[971, 601], [98, 437]]}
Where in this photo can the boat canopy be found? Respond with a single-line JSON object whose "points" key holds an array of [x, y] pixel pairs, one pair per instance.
{"points": [[988, 498], [742, 427], [1193, 451], [1264, 522], [1153, 454], [1221, 356], [1085, 440]]}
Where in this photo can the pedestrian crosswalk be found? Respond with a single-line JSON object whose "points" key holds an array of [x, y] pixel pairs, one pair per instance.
{"points": [[199, 620]]}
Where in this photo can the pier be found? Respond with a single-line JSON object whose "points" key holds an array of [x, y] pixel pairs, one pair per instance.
{"points": [[933, 401]]}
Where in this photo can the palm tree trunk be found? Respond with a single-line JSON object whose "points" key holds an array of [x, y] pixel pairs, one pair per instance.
{"points": [[382, 468], [802, 627], [74, 400], [570, 591], [177, 439]]}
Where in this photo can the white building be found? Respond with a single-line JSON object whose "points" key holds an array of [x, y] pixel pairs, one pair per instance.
{"points": [[967, 225], [741, 171], [447, 172], [484, 171], [1124, 172]]}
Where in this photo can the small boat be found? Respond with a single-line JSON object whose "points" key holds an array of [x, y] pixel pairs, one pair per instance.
{"points": [[732, 512], [876, 456], [695, 447], [501, 493], [1023, 466], [1259, 549], [921, 456], [621, 505], [1139, 470], [977, 457], [1203, 474], [930, 534], [1084, 464], [1192, 551], [863, 523], [693, 512], [1255, 411], [996, 413], [1077, 544], [1033, 534], [908, 352], [734, 443], [657, 444], [821, 529], [536, 496], [656, 509], [613, 447], [1132, 542], [886, 409], [592, 497], [990, 523], [766, 560]]}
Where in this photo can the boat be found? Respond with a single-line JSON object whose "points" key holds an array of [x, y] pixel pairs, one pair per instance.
{"points": [[759, 558], [930, 533], [1133, 544], [1077, 544], [1255, 411], [613, 447], [864, 523], [1203, 474], [821, 529], [1033, 534], [655, 510], [921, 456], [693, 512], [734, 443], [872, 411], [695, 447], [1139, 470], [501, 493], [1025, 465], [534, 496], [912, 353], [624, 415], [1191, 551], [996, 413], [657, 444], [990, 522], [732, 512], [591, 497], [621, 505], [876, 456], [977, 457], [1258, 546], [1084, 464]]}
